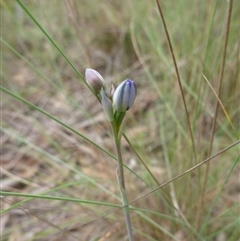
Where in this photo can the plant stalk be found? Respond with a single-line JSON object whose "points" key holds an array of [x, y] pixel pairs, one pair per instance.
{"points": [[120, 178]]}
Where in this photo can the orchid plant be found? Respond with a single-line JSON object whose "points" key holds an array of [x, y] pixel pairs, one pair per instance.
{"points": [[115, 104]]}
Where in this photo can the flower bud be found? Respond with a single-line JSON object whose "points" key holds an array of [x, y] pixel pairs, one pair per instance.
{"points": [[124, 96], [95, 80]]}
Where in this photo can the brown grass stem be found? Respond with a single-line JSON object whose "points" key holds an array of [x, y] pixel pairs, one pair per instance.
{"points": [[214, 121], [178, 78]]}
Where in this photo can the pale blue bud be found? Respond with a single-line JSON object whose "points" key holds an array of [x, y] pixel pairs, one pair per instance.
{"points": [[124, 96], [95, 80]]}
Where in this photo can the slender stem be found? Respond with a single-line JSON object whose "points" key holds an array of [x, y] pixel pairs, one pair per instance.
{"points": [[120, 178], [214, 121], [178, 79]]}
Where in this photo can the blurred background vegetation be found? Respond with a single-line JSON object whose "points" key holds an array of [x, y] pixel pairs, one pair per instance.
{"points": [[120, 39]]}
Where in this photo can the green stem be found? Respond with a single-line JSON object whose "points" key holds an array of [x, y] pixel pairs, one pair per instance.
{"points": [[120, 178]]}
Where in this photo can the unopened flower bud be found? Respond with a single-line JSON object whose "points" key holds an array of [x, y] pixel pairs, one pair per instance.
{"points": [[124, 96], [95, 80]]}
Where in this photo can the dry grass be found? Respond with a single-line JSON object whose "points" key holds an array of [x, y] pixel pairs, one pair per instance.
{"points": [[120, 40]]}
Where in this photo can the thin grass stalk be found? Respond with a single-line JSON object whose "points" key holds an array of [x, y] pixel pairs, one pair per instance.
{"points": [[222, 106], [53, 43], [186, 172], [141, 160], [200, 88], [210, 209], [54, 198], [167, 199], [19, 98], [73, 17], [201, 206], [178, 211], [178, 78]]}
